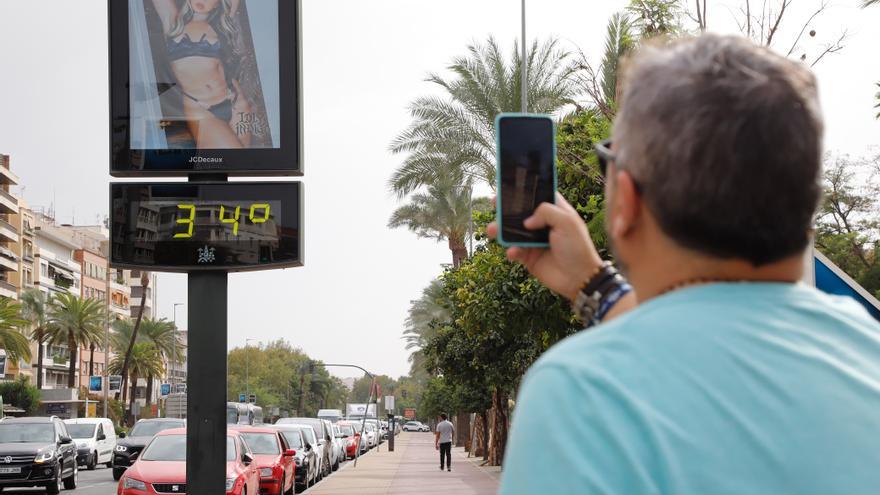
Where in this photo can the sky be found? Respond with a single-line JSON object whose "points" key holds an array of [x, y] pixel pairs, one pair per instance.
{"points": [[363, 62]]}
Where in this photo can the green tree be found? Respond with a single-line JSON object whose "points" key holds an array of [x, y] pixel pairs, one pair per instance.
{"points": [[75, 322], [144, 360], [458, 130], [12, 340], [163, 335], [36, 306], [847, 223], [442, 212], [20, 393]]}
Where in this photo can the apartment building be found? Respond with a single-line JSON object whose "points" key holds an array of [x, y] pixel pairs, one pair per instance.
{"points": [[59, 272], [9, 233]]}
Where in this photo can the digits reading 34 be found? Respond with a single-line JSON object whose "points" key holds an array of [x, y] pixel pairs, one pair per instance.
{"points": [[259, 213]]}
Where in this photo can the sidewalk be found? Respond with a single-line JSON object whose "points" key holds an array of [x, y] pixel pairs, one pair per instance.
{"points": [[412, 469]]}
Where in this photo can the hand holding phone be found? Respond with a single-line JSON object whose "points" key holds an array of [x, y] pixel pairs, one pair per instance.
{"points": [[526, 175]]}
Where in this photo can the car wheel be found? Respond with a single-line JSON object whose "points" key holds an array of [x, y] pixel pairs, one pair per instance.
{"points": [[117, 473], [93, 462], [109, 465], [70, 482], [54, 488]]}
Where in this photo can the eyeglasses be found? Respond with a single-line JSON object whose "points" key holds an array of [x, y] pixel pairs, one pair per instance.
{"points": [[604, 154]]}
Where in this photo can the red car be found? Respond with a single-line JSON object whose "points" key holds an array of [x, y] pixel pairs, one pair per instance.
{"points": [[273, 457], [351, 437], [161, 467]]}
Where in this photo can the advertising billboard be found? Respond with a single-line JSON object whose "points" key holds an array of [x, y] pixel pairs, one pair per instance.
{"points": [[96, 383], [205, 86]]}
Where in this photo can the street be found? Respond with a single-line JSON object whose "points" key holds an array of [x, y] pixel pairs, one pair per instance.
{"points": [[97, 482]]}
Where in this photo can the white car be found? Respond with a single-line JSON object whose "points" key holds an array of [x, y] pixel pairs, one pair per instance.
{"points": [[95, 440], [372, 437], [416, 426]]}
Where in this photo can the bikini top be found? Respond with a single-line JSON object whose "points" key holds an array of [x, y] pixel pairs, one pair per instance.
{"points": [[186, 47]]}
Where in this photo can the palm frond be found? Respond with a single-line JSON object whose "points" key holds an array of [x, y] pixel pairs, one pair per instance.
{"points": [[618, 42]]}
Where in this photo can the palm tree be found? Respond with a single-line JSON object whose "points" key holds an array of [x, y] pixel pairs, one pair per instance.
{"points": [[75, 321], [143, 360], [601, 85], [443, 211], [36, 305], [145, 283], [458, 131], [12, 340], [162, 334], [424, 313], [868, 3]]}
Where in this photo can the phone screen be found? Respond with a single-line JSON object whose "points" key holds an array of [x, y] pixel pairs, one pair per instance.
{"points": [[526, 168]]}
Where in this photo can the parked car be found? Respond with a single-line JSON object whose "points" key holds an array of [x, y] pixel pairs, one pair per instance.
{"points": [[311, 439], [37, 452], [350, 439], [324, 433], [306, 460], [370, 433], [161, 468], [273, 458], [357, 426], [95, 441], [128, 447], [415, 426], [339, 445]]}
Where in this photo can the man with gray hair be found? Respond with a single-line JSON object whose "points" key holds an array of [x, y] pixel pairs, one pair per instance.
{"points": [[711, 368]]}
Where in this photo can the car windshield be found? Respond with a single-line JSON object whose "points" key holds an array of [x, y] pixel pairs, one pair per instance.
{"points": [[81, 431], [166, 448], [262, 443], [358, 427], [294, 440], [25, 432], [150, 428], [346, 430]]}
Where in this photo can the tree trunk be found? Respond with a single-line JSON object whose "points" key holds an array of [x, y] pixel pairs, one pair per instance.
{"points": [[71, 371], [40, 360], [145, 283], [498, 436], [479, 436], [134, 381], [149, 391], [91, 359], [459, 251]]}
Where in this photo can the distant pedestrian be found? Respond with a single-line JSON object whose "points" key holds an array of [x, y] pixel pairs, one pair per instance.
{"points": [[443, 442]]}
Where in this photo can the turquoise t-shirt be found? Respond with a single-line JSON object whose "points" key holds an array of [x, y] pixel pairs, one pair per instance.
{"points": [[716, 389]]}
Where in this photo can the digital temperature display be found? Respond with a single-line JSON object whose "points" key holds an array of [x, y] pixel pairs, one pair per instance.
{"points": [[203, 226]]}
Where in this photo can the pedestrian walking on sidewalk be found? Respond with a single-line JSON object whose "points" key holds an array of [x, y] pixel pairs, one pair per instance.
{"points": [[443, 442]]}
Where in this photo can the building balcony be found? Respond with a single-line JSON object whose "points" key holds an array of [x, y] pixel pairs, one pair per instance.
{"points": [[7, 177], [8, 290], [7, 231], [8, 202], [8, 260]]}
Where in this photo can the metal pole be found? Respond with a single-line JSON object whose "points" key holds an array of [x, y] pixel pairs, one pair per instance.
{"points": [[525, 66], [247, 372], [104, 380], [174, 349], [364, 421], [206, 404]]}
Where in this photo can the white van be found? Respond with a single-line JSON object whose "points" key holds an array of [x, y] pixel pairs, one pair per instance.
{"points": [[331, 415], [95, 440]]}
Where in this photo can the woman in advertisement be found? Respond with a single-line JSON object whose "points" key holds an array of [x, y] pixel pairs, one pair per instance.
{"points": [[200, 36]]}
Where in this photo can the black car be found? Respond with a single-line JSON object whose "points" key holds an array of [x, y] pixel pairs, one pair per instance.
{"points": [[128, 447], [37, 452], [306, 462]]}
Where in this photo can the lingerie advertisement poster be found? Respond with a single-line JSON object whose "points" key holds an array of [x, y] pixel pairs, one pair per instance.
{"points": [[203, 87]]}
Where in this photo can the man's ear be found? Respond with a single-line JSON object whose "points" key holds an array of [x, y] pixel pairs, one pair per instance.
{"points": [[626, 204]]}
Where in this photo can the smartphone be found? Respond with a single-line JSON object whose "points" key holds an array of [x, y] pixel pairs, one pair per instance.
{"points": [[526, 175]]}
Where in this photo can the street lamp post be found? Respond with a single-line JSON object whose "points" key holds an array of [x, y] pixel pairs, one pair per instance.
{"points": [[174, 348], [357, 450]]}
